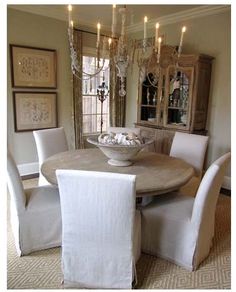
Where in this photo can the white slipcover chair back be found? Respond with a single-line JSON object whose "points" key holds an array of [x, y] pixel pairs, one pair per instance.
{"points": [[48, 143], [124, 130], [191, 148], [100, 229], [35, 213], [203, 215], [180, 228]]}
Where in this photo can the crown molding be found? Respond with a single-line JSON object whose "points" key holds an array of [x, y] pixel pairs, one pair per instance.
{"points": [[197, 12], [182, 16]]}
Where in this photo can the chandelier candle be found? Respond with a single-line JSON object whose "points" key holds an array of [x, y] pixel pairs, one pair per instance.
{"points": [[159, 50], [181, 40], [113, 28], [145, 28], [98, 34], [123, 20], [156, 36], [69, 14], [109, 43]]}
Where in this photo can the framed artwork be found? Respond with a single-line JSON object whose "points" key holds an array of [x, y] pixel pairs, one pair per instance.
{"points": [[33, 67], [34, 110]]}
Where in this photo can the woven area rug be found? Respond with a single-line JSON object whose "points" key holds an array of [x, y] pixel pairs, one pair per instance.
{"points": [[42, 270]]}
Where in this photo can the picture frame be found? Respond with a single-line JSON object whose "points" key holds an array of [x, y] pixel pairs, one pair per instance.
{"points": [[33, 67], [34, 110]]}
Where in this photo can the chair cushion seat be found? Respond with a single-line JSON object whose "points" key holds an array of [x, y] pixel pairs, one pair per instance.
{"points": [[167, 228], [42, 198], [172, 205]]}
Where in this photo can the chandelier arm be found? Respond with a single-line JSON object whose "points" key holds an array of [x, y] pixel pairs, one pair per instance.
{"points": [[156, 76], [75, 64], [152, 84], [75, 67]]}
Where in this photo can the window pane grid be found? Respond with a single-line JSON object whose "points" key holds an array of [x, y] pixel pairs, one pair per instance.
{"points": [[91, 103], [92, 123]]}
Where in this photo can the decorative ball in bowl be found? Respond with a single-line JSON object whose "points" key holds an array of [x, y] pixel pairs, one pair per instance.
{"points": [[120, 147]]}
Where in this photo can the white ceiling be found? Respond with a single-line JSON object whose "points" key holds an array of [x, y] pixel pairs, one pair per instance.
{"points": [[89, 15]]}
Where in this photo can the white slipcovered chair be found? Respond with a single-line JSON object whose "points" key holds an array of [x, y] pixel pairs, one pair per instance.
{"points": [[100, 229], [35, 213], [192, 149], [180, 228], [48, 143]]}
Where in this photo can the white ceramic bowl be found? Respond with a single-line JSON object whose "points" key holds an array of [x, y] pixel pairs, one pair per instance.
{"points": [[119, 155]]}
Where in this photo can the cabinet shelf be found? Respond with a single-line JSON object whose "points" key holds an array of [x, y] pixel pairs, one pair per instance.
{"points": [[149, 121], [148, 105], [178, 108], [177, 124]]}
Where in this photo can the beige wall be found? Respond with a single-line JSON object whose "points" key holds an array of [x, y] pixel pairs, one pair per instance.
{"points": [[209, 35], [37, 31]]}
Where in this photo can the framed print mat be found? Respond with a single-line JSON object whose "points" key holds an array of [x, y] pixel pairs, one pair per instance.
{"points": [[33, 67], [34, 110]]}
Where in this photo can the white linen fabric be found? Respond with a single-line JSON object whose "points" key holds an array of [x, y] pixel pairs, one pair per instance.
{"points": [[48, 143], [191, 148], [35, 213], [100, 229], [180, 228]]}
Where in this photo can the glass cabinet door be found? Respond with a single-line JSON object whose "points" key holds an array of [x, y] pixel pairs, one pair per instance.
{"points": [[149, 100], [178, 99]]}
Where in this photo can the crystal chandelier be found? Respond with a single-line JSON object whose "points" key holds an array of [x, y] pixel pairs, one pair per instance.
{"points": [[122, 54]]}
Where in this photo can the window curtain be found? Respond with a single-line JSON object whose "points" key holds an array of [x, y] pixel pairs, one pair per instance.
{"points": [[77, 94], [117, 102]]}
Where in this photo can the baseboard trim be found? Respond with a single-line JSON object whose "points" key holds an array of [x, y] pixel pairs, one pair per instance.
{"points": [[28, 169], [30, 176]]}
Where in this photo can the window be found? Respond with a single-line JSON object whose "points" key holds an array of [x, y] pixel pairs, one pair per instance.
{"points": [[91, 105]]}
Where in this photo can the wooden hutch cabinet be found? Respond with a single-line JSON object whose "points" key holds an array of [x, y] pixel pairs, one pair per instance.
{"points": [[175, 101]]}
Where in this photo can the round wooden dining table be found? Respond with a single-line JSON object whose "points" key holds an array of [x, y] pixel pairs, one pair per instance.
{"points": [[155, 173]]}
